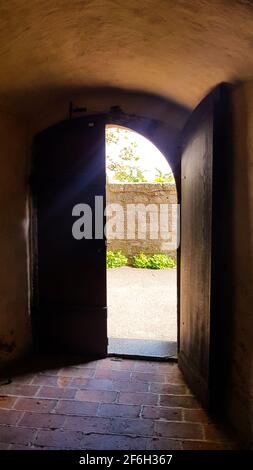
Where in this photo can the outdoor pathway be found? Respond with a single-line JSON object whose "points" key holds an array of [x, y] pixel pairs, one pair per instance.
{"points": [[142, 303]]}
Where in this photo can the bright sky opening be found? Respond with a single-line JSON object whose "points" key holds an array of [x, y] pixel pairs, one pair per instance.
{"points": [[150, 158]]}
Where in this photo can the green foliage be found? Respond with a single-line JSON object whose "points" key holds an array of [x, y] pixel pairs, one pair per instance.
{"points": [[124, 168], [161, 261], [122, 159], [156, 261], [126, 173], [140, 261], [164, 177], [112, 137], [115, 259]]}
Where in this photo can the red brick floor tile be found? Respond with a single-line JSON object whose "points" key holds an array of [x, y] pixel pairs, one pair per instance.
{"points": [[35, 404], [42, 420], [138, 398], [112, 374], [107, 405], [76, 372], [174, 378], [7, 402], [19, 390], [4, 446], [16, 435], [23, 379], [113, 442], [78, 408], [169, 367], [35, 447], [92, 441], [22, 447], [126, 411], [162, 412], [92, 384], [148, 377], [59, 439], [88, 365], [56, 392], [87, 425], [63, 381], [179, 430], [138, 427], [196, 416], [163, 443], [204, 445], [116, 364], [96, 396], [10, 416], [147, 366], [180, 401], [174, 389], [109, 384], [52, 380], [104, 363], [42, 379], [126, 386]]}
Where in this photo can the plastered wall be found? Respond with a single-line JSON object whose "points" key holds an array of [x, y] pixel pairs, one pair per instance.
{"points": [[240, 377], [14, 315], [169, 117]]}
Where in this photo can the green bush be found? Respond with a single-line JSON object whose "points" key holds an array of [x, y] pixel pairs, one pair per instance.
{"points": [[164, 177], [115, 259], [156, 261], [140, 261]]}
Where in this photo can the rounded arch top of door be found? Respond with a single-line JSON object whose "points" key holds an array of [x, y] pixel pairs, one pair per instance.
{"points": [[158, 132], [152, 161]]}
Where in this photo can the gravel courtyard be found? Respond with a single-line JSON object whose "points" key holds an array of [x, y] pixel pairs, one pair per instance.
{"points": [[142, 303]]}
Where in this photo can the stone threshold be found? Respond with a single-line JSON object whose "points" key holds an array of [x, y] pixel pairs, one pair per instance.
{"points": [[139, 348]]}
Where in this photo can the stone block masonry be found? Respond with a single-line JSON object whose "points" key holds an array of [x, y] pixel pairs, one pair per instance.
{"points": [[145, 194]]}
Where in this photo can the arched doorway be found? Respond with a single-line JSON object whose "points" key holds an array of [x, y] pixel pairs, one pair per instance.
{"points": [[69, 309], [142, 242]]}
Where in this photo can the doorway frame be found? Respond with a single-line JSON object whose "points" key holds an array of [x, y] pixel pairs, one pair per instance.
{"points": [[145, 127], [150, 128]]}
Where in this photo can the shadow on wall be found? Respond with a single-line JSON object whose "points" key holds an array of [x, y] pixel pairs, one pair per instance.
{"points": [[54, 102], [240, 267]]}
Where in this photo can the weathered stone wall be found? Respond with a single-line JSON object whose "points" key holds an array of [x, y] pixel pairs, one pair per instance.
{"points": [[153, 197]]}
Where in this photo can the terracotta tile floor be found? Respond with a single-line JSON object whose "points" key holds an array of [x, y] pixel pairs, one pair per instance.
{"points": [[106, 404]]}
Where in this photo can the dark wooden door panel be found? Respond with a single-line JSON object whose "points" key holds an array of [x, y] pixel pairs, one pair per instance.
{"points": [[202, 146], [69, 169]]}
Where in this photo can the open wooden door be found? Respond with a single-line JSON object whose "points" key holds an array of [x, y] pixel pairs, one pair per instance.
{"points": [[205, 160], [69, 292]]}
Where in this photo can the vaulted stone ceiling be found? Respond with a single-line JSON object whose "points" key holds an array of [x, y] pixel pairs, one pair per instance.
{"points": [[173, 48]]}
